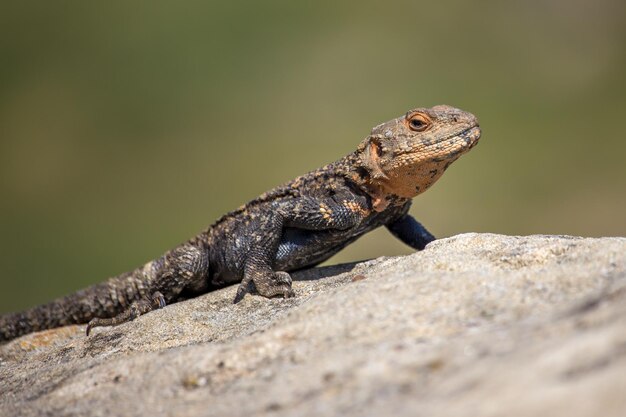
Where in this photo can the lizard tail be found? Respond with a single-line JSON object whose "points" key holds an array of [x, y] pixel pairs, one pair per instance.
{"points": [[106, 299], [178, 268]]}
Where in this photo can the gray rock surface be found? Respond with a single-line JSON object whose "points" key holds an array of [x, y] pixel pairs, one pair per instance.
{"points": [[475, 325]]}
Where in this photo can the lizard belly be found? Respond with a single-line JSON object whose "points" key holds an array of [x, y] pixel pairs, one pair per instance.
{"points": [[300, 248]]}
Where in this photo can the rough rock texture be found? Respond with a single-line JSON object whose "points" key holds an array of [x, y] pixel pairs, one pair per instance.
{"points": [[476, 324]]}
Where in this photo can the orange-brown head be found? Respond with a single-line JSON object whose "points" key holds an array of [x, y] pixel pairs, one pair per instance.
{"points": [[405, 156]]}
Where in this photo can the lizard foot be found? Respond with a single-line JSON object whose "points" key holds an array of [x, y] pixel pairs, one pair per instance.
{"points": [[276, 284], [136, 309], [268, 285]]}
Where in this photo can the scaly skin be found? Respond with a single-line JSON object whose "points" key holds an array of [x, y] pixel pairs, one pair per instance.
{"points": [[296, 225]]}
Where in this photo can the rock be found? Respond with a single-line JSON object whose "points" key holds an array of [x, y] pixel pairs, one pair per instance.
{"points": [[476, 324]]}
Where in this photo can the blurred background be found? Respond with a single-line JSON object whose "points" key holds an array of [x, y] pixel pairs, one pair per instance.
{"points": [[127, 127]]}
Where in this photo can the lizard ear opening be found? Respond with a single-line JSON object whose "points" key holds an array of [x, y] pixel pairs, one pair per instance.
{"points": [[372, 156], [376, 149]]}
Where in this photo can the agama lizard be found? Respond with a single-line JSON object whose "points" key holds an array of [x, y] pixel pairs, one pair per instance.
{"points": [[294, 226]]}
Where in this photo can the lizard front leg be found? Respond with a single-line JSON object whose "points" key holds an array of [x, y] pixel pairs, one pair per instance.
{"points": [[411, 232], [305, 213]]}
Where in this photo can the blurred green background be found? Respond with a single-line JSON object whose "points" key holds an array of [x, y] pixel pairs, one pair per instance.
{"points": [[127, 127]]}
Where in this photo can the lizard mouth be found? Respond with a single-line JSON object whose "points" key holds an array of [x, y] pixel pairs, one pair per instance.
{"points": [[471, 136]]}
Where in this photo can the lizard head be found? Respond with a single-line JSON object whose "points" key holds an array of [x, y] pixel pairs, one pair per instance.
{"points": [[405, 156]]}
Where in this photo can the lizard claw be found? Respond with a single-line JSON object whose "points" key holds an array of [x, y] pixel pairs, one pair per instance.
{"points": [[243, 288], [241, 292], [158, 300]]}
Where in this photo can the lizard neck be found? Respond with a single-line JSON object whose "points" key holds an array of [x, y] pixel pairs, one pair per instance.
{"points": [[357, 169]]}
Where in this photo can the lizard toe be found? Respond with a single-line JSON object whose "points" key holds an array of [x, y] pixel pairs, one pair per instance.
{"points": [[158, 300], [274, 284]]}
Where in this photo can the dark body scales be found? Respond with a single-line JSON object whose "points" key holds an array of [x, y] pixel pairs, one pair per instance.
{"points": [[293, 226]]}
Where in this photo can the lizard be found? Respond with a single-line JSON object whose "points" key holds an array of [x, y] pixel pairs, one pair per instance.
{"points": [[293, 226]]}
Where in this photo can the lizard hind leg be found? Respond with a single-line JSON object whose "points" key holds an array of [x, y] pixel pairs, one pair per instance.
{"points": [[183, 267], [136, 309]]}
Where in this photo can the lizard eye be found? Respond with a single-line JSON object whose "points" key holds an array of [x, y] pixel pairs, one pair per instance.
{"points": [[418, 122]]}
